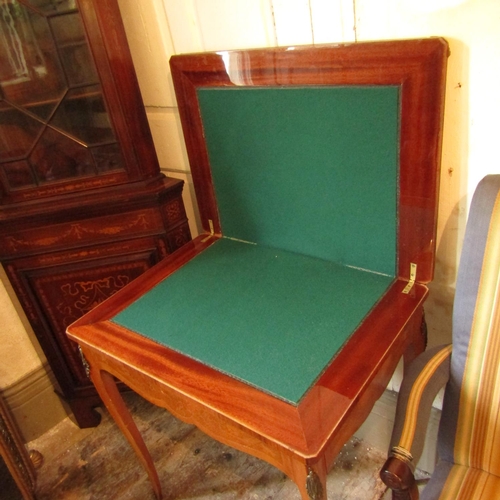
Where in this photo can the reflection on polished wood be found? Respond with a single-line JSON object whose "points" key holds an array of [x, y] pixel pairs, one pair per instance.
{"points": [[301, 439]]}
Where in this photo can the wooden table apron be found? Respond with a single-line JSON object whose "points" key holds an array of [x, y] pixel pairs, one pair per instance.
{"points": [[301, 440]]}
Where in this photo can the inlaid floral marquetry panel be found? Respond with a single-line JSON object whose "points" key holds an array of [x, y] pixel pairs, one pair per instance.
{"points": [[138, 223], [67, 296]]}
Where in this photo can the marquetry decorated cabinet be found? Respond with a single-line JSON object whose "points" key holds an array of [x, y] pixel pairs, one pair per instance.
{"points": [[84, 208]]}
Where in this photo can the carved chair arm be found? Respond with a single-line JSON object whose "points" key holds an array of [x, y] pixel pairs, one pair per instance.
{"points": [[398, 476], [428, 373]]}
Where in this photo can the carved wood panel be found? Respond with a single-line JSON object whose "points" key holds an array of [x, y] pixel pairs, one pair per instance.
{"points": [[67, 296], [55, 296], [78, 233]]}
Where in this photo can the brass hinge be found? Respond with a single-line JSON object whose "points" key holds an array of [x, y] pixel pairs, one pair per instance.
{"points": [[413, 278]]}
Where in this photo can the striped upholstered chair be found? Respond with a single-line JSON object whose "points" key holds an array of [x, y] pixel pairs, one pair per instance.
{"points": [[469, 433]]}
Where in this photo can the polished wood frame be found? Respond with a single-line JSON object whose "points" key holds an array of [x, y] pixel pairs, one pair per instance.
{"points": [[301, 440]]}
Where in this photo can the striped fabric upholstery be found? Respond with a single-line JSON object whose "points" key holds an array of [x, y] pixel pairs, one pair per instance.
{"points": [[458, 482], [469, 434], [425, 377], [473, 439]]}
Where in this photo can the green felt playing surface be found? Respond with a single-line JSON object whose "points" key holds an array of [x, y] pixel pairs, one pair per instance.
{"points": [[269, 317], [313, 170]]}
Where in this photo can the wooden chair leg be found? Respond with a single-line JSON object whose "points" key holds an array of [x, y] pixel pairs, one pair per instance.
{"points": [[398, 476], [111, 397]]}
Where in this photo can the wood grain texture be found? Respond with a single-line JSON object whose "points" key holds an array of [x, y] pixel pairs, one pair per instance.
{"points": [[293, 438]]}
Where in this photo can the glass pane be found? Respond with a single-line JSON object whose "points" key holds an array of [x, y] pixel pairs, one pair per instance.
{"points": [[107, 158], [31, 75], [56, 158], [18, 174], [83, 115], [18, 132], [75, 54], [53, 6], [54, 124]]}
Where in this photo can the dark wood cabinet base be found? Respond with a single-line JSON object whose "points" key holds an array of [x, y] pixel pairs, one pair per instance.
{"points": [[62, 264]]}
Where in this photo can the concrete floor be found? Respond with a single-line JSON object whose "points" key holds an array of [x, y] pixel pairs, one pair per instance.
{"points": [[98, 464]]}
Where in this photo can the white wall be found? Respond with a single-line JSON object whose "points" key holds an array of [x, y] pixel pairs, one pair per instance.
{"points": [[26, 381], [20, 354], [471, 28]]}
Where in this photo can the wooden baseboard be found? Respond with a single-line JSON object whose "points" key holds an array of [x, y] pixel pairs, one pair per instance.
{"points": [[34, 404]]}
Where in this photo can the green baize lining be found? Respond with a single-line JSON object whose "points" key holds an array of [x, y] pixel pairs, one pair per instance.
{"points": [[271, 318]]}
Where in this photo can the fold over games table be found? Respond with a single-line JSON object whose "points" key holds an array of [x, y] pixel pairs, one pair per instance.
{"points": [[275, 331]]}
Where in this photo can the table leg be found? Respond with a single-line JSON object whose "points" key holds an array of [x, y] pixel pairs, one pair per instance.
{"points": [[310, 479], [418, 342], [111, 397]]}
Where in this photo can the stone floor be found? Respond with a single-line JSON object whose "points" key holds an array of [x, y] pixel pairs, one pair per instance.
{"points": [[98, 464]]}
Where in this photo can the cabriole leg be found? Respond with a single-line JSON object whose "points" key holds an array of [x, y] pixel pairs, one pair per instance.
{"points": [[111, 397]]}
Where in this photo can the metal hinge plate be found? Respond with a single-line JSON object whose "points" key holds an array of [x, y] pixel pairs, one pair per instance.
{"points": [[413, 278]]}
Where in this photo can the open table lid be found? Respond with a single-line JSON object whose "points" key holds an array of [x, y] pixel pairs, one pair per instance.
{"points": [[401, 82]]}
